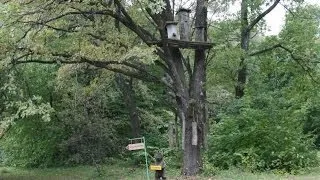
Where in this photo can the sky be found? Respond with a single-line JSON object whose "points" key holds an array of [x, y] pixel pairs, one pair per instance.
{"points": [[275, 19]]}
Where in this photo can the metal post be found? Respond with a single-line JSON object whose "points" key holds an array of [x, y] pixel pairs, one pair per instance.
{"points": [[145, 154]]}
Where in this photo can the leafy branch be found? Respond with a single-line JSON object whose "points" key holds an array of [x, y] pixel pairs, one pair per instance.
{"points": [[298, 59], [262, 15], [124, 67]]}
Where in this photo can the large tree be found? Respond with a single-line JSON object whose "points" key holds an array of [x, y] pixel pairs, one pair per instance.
{"points": [[79, 31]]}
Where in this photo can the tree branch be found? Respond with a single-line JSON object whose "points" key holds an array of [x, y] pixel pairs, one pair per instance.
{"points": [[74, 13], [265, 50], [297, 60], [129, 23], [69, 30], [116, 66], [126, 20], [262, 15], [289, 10], [186, 62], [294, 57]]}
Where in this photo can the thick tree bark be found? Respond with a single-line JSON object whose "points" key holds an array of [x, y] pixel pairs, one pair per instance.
{"points": [[176, 131], [195, 121], [172, 134], [205, 124]]}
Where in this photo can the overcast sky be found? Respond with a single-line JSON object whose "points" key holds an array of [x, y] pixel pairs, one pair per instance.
{"points": [[275, 19]]}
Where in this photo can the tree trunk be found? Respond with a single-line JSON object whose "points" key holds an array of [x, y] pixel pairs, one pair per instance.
{"points": [[173, 133], [190, 92], [246, 28], [128, 94], [176, 131], [245, 40], [196, 120]]}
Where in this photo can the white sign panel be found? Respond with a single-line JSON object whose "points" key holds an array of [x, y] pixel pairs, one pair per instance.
{"points": [[136, 146]]}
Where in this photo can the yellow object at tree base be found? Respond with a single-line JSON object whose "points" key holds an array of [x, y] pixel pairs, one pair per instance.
{"points": [[155, 168]]}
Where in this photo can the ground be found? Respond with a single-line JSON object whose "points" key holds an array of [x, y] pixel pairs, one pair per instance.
{"points": [[122, 172]]}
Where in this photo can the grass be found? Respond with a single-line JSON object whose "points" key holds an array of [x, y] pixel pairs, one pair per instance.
{"points": [[121, 171], [312, 174]]}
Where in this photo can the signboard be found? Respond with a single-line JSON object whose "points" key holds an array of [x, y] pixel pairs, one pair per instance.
{"points": [[137, 146], [155, 168]]}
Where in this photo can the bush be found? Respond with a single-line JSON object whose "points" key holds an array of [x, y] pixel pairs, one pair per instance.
{"points": [[312, 122], [266, 134], [172, 157], [34, 143], [31, 143]]}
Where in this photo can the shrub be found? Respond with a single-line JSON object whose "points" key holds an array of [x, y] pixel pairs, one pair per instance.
{"points": [[312, 122], [31, 143], [266, 134]]}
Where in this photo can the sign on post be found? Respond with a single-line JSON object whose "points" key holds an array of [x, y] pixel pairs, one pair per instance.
{"points": [[137, 146]]}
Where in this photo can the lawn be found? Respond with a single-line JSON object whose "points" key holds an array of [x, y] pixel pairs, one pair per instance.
{"points": [[123, 172]]}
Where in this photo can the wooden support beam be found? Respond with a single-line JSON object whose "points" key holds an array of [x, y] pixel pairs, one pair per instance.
{"points": [[188, 44]]}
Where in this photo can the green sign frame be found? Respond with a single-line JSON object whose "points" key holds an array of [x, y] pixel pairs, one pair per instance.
{"points": [[142, 140]]}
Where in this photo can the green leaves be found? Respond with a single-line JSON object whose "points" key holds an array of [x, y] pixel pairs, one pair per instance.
{"points": [[263, 136], [32, 143], [21, 107], [265, 129], [156, 7]]}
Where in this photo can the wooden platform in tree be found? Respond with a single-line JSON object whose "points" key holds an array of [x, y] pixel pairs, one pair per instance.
{"points": [[187, 44]]}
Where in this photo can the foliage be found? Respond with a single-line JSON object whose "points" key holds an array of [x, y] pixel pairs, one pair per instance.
{"points": [[32, 143], [29, 133], [70, 138], [264, 130], [90, 122], [91, 114], [18, 105], [29, 137], [274, 125], [263, 136], [74, 113], [312, 122], [156, 7]]}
